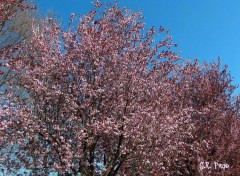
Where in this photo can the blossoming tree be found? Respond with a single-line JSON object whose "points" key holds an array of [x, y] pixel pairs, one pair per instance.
{"points": [[103, 98]]}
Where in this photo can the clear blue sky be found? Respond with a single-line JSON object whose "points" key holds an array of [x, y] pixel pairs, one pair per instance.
{"points": [[203, 29]]}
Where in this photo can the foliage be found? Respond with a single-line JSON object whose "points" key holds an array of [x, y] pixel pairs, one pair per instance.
{"points": [[102, 99]]}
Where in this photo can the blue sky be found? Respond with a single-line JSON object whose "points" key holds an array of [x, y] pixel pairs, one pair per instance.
{"points": [[202, 29]]}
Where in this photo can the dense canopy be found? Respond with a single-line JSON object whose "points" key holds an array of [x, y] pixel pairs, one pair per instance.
{"points": [[104, 98]]}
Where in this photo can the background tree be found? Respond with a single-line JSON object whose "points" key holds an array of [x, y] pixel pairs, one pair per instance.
{"points": [[15, 26], [208, 91], [15, 23]]}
